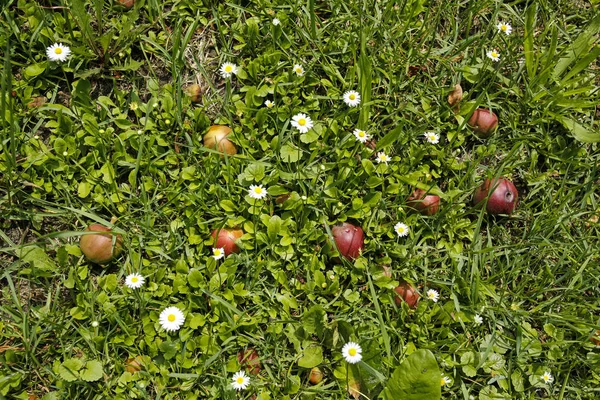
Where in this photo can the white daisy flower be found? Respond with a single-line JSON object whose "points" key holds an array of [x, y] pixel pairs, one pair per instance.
{"points": [[298, 69], [228, 69], [493, 55], [352, 98], [302, 122], [432, 137], [171, 319], [218, 253], [382, 157], [504, 27], [257, 192], [477, 319], [445, 381], [361, 135], [401, 229], [276, 21], [134, 281], [269, 104], [240, 380], [352, 352], [547, 377], [433, 295], [58, 52]]}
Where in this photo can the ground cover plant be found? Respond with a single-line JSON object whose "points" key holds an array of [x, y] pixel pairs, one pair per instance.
{"points": [[299, 200]]}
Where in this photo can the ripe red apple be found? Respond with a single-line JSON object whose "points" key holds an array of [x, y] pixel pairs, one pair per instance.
{"points": [[349, 239], [126, 3], [406, 292], [503, 196], [426, 204], [227, 239], [316, 376], [98, 247], [483, 122], [216, 138]]}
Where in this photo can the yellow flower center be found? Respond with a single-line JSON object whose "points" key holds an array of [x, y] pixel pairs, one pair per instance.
{"points": [[217, 252], [352, 352], [258, 190], [301, 122], [352, 96], [58, 50], [171, 317], [443, 381], [401, 230], [298, 70], [134, 279], [240, 380], [494, 54], [228, 68], [503, 28], [361, 134]]}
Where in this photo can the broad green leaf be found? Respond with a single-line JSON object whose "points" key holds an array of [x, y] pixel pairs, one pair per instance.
{"points": [[389, 138], [311, 357], [92, 371], [290, 154], [580, 132], [37, 257], [35, 69], [309, 136], [274, 226], [313, 320], [83, 189], [69, 369], [417, 378], [168, 349]]}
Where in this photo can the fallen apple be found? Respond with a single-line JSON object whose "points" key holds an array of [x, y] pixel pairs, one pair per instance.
{"points": [[407, 293], [503, 196], [126, 3], [194, 92], [98, 247], [316, 376], [426, 204], [134, 364], [483, 122], [226, 239], [349, 240], [216, 138]]}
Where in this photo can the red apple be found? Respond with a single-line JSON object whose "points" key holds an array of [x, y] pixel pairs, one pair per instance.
{"points": [[426, 204], [483, 122], [98, 247], [406, 292], [126, 3], [503, 196], [216, 138], [349, 239], [226, 239]]}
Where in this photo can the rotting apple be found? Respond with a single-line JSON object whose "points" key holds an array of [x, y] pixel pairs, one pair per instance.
{"points": [[134, 364], [349, 239], [503, 196], [426, 204], [407, 293], [226, 239], [194, 92], [98, 247], [216, 138], [316, 376], [483, 122]]}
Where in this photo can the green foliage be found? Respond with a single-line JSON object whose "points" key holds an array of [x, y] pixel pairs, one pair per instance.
{"points": [[417, 378], [112, 132]]}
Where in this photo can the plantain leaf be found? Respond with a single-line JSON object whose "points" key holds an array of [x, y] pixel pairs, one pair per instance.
{"points": [[417, 378]]}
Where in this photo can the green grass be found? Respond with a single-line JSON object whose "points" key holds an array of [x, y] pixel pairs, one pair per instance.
{"points": [[117, 136]]}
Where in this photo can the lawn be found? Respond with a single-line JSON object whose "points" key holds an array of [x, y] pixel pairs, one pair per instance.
{"points": [[269, 199]]}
